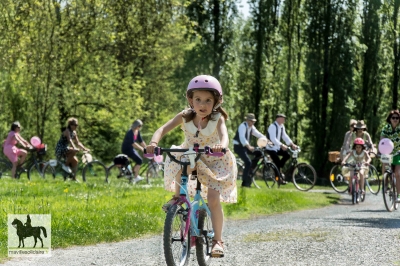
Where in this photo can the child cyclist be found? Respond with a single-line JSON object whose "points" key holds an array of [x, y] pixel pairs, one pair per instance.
{"points": [[358, 155], [203, 123]]}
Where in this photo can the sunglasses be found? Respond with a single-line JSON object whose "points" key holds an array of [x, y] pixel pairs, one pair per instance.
{"points": [[395, 118]]}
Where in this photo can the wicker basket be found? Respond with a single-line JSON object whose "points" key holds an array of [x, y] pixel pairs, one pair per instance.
{"points": [[334, 156]]}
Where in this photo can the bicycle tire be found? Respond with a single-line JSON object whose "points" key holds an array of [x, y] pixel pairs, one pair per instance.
{"points": [[395, 203], [176, 249], [5, 168], [387, 191], [240, 169], [270, 173], [94, 171], [362, 196], [353, 191], [204, 243], [256, 179], [304, 177], [49, 171], [338, 182], [36, 171], [373, 181]]}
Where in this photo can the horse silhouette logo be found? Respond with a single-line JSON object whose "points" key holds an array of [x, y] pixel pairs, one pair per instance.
{"points": [[26, 230]]}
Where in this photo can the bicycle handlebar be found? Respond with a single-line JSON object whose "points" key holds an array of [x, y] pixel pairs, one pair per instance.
{"points": [[193, 153]]}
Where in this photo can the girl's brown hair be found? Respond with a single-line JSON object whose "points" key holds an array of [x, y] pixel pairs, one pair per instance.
{"points": [[190, 114]]}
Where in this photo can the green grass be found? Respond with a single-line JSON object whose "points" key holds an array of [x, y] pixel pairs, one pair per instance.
{"points": [[84, 214]]}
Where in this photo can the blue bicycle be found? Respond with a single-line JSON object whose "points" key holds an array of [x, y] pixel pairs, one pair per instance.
{"points": [[188, 223]]}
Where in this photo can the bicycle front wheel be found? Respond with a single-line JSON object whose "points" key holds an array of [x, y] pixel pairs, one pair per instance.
{"points": [[176, 244], [94, 171], [373, 180], [304, 177], [153, 171], [270, 174], [204, 243], [338, 182], [388, 190]]}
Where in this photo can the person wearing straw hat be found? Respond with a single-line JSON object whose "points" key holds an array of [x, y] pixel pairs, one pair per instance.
{"points": [[343, 150], [360, 131], [242, 147], [277, 132]]}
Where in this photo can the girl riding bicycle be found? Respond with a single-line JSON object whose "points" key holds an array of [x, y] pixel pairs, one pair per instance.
{"points": [[357, 155], [203, 123]]}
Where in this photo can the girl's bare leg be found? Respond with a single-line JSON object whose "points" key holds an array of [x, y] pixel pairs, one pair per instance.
{"points": [[136, 170], [217, 214], [22, 155]]}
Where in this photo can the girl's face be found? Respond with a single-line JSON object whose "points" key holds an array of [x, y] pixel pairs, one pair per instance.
{"points": [[359, 148], [394, 120], [202, 102]]}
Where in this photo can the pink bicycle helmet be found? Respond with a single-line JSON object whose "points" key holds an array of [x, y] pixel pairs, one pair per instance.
{"points": [[204, 82], [359, 141]]}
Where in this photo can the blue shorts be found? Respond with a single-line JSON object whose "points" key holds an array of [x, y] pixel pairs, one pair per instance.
{"points": [[134, 155]]}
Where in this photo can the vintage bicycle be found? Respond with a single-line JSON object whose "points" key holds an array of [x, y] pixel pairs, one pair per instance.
{"points": [[340, 183], [188, 223], [389, 189], [92, 169], [34, 166]]}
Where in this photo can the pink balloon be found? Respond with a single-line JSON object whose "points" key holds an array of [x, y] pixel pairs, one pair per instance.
{"points": [[385, 146], [35, 141], [158, 158]]}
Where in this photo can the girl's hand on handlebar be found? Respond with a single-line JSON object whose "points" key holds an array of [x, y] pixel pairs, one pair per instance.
{"points": [[150, 148], [217, 148]]}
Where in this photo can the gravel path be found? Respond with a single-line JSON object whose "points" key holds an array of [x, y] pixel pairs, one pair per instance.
{"points": [[364, 234]]}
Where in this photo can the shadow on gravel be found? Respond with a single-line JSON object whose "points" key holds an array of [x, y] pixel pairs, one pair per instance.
{"points": [[383, 223]]}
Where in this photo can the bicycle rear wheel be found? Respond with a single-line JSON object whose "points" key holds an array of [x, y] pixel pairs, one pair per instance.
{"points": [[5, 168], [204, 243], [176, 246], [270, 174], [240, 168], [37, 171], [153, 171], [373, 181], [338, 182], [389, 195], [304, 177], [94, 171]]}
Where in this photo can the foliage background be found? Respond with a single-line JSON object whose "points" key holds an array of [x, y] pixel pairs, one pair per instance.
{"points": [[110, 62]]}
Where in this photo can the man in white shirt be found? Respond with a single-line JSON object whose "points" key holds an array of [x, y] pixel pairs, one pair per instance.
{"points": [[241, 146], [276, 132]]}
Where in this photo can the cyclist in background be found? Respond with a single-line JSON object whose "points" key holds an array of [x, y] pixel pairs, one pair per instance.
{"points": [[344, 149], [360, 131], [357, 155], [392, 131], [11, 150], [133, 140], [277, 132], [66, 149], [242, 147]]}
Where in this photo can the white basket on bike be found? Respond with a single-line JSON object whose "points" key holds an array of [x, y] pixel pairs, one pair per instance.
{"points": [[386, 158]]}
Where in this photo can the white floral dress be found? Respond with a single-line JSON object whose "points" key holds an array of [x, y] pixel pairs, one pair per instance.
{"points": [[218, 173]]}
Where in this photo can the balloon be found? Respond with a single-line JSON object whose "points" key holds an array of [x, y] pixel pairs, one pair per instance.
{"points": [[158, 158], [262, 142], [35, 141], [385, 146]]}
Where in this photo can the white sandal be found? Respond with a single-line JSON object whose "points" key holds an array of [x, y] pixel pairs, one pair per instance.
{"points": [[217, 250]]}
